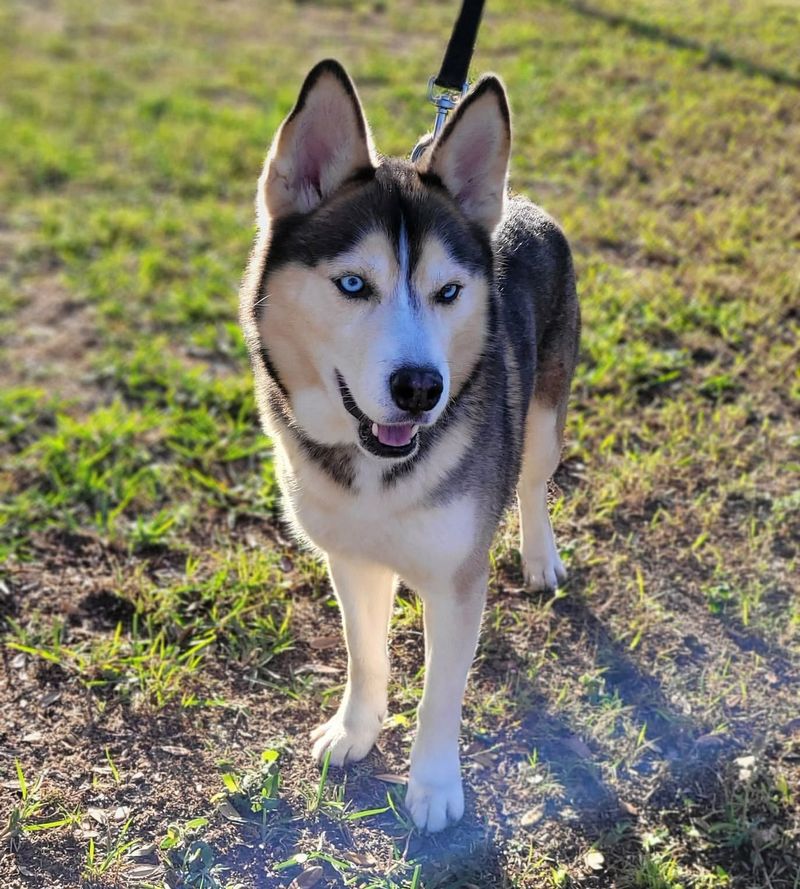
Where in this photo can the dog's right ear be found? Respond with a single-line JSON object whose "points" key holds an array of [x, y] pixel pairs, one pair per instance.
{"points": [[322, 143]]}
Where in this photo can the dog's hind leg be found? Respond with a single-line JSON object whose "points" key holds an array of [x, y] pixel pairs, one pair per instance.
{"points": [[557, 356], [365, 592], [542, 450]]}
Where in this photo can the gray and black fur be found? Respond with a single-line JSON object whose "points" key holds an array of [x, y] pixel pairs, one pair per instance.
{"points": [[368, 273], [534, 309]]}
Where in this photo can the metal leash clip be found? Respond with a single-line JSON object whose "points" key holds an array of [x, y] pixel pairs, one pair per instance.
{"points": [[445, 101], [443, 89]]}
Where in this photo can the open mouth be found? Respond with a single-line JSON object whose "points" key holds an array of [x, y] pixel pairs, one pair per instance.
{"points": [[393, 440]]}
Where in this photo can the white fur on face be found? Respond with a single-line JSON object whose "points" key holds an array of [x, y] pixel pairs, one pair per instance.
{"points": [[462, 324], [311, 330]]}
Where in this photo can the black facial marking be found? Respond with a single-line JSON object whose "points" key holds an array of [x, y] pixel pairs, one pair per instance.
{"points": [[383, 199], [336, 461], [269, 367]]}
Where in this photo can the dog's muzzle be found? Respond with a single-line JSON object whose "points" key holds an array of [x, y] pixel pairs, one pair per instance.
{"points": [[396, 440]]}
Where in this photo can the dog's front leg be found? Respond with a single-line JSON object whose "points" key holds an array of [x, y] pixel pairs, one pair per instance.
{"points": [[452, 623], [365, 592]]}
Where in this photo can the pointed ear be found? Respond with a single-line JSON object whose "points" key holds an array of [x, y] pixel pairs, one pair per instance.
{"points": [[322, 143], [471, 155]]}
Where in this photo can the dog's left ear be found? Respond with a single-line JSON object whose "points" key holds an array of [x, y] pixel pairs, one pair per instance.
{"points": [[471, 155], [322, 143]]}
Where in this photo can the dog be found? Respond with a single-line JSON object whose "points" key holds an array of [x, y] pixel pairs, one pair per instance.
{"points": [[413, 331]]}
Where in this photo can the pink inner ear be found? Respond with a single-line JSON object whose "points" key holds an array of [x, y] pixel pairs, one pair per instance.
{"points": [[312, 155], [472, 161]]}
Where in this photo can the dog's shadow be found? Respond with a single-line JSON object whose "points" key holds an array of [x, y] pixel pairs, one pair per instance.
{"points": [[481, 849], [475, 852]]}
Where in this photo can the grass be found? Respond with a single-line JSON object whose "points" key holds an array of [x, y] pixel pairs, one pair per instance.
{"points": [[34, 811], [160, 632]]}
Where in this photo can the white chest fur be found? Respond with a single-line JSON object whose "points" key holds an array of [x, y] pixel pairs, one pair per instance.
{"points": [[396, 527]]}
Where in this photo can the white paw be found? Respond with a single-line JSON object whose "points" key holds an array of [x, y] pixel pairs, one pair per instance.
{"points": [[349, 737], [543, 571], [434, 805], [434, 797]]}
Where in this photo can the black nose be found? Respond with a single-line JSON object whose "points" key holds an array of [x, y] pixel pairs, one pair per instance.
{"points": [[416, 389]]}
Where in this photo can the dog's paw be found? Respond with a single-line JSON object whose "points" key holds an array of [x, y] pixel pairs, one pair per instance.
{"points": [[543, 571], [434, 805], [348, 739]]}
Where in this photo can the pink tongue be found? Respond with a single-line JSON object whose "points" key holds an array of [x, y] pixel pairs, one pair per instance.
{"points": [[395, 436]]}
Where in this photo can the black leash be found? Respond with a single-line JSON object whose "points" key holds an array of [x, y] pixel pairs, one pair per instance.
{"points": [[450, 84], [455, 64]]}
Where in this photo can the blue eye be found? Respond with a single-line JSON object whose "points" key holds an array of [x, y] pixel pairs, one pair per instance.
{"points": [[350, 285], [448, 293]]}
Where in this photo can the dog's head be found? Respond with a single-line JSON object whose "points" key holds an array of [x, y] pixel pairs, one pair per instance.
{"points": [[372, 309]]}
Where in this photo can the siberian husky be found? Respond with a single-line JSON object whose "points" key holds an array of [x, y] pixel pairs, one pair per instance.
{"points": [[413, 332]]}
